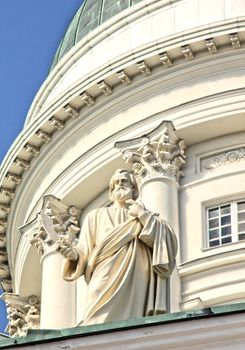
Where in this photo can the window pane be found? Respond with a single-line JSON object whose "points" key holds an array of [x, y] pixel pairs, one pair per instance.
{"points": [[213, 233], [226, 240], [226, 230], [111, 8], [241, 206], [214, 243], [241, 216], [225, 220], [241, 236], [213, 223], [213, 212], [225, 209], [241, 227]]}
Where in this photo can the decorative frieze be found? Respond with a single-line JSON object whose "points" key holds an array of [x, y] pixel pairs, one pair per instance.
{"points": [[23, 314], [54, 220], [211, 46], [33, 150], [72, 111], [124, 77], [235, 41], [223, 159], [187, 52], [56, 123], [158, 154], [166, 60], [105, 88], [13, 178], [88, 99], [22, 163], [144, 68], [43, 135]]}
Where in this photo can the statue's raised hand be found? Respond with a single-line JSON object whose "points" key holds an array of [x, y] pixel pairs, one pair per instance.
{"points": [[136, 209], [65, 247]]}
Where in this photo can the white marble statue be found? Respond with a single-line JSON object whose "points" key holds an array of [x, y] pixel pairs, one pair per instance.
{"points": [[125, 253]]}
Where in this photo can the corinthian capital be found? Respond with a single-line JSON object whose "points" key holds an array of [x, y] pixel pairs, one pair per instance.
{"points": [[23, 313], [54, 220], [157, 154]]}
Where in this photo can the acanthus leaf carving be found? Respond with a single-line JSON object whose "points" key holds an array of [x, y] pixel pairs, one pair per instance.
{"points": [[161, 156], [54, 220], [23, 314]]}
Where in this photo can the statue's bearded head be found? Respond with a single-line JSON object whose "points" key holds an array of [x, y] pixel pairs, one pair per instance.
{"points": [[122, 186]]}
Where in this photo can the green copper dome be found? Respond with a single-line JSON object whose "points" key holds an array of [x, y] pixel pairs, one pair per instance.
{"points": [[90, 15]]}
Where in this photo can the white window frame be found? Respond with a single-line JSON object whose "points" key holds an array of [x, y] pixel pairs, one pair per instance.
{"points": [[233, 224]]}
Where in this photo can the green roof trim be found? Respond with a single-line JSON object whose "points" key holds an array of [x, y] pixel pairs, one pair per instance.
{"points": [[43, 335], [90, 15]]}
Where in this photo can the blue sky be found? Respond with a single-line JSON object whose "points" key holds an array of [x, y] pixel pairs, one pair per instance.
{"points": [[30, 32]]}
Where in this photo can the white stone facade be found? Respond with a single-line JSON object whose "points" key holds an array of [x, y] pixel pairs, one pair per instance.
{"points": [[180, 61]]}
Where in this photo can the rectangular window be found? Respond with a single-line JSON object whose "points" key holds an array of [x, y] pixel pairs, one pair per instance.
{"points": [[226, 223]]}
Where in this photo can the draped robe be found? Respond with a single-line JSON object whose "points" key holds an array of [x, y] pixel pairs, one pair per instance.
{"points": [[125, 264]]}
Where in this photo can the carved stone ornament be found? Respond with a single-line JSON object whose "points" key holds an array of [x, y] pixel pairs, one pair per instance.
{"points": [[88, 99], [21, 163], [71, 111], [54, 220], [7, 192], [235, 41], [144, 68], [211, 46], [13, 178], [166, 60], [124, 77], [105, 88], [224, 158], [158, 154], [23, 314], [33, 150], [187, 52], [56, 123], [43, 135], [5, 207]]}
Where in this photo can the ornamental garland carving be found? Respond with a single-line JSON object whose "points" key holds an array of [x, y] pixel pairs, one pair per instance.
{"points": [[223, 159]]}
